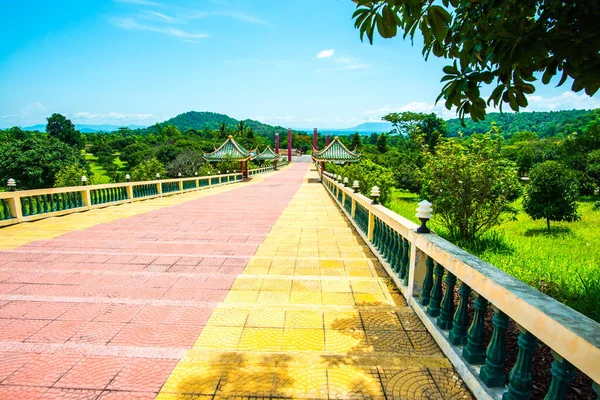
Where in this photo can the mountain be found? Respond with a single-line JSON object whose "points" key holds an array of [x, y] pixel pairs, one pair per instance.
{"points": [[84, 128], [197, 120]]}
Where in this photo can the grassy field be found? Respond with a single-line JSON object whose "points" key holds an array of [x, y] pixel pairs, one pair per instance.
{"points": [[100, 176], [563, 263]]}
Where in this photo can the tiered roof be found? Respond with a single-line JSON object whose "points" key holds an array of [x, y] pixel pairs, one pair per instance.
{"points": [[230, 149], [335, 152], [267, 155]]}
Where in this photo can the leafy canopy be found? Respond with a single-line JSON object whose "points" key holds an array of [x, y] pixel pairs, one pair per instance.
{"points": [[470, 185], [63, 129], [147, 170], [501, 43], [552, 193]]}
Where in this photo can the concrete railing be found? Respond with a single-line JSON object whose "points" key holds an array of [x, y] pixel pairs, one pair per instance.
{"points": [[31, 205], [418, 262], [260, 170]]}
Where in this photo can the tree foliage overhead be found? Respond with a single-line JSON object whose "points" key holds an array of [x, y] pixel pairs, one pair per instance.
{"points": [[502, 43]]}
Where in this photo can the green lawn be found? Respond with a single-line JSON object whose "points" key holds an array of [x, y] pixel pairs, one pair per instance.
{"points": [[564, 263], [100, 176]]}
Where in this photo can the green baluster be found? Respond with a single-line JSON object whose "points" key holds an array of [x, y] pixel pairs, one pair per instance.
{"points": [[53, 202], [596, 388], [32, 205], [93, 196], [2, 208], [24, 208], [406, 262], [397, 253], [375, 239], [65, 201], [519, 379], [460, 323], [474, 351], [46, 203], [563, 373], [427, 282], [386, 242], [38, 205], [492, 373], [444, 321], [436, 294], [71, 200], [79, 196]]}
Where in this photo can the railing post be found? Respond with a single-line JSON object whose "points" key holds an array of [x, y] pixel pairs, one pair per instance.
{"points": [[353, 209], [159, 187], [417, 270], [180, 185], [87, 199], [130, 192], [14, 204]]}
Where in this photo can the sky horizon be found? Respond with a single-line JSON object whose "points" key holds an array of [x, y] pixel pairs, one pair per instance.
{"points": [[296, 64]]}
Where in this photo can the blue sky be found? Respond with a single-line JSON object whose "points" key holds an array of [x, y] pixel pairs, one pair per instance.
{"points": [[295, 63]]}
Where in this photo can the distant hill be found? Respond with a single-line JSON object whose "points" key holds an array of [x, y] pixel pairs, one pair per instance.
{"points": [[198, 120], [83, 128], [545, 124]]}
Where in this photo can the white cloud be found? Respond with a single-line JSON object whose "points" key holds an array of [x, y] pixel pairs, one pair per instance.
{"points": [[326, 53], [132, 25], [154, 15], [275, 120], [244, 17], [351, 63], [5, 116], [566, 101], [34, 108]]}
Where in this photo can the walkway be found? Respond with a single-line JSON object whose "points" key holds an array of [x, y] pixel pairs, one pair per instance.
{"points": [[255, 290]]}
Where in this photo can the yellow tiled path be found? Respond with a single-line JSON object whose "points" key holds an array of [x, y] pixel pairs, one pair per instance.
{"points": [[314, 315]]}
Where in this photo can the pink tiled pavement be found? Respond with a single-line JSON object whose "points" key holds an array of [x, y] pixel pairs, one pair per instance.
{"points": [[108, 312]]}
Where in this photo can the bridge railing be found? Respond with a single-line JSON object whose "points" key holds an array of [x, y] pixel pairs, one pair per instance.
{"points": [[31, 205], [427, 269], [260, 170]]}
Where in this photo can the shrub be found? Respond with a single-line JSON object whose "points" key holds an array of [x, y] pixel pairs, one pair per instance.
{"points": [[368, 174], [185, 163], [470, 185], [147, 170], [70, 175], [552, 193]]}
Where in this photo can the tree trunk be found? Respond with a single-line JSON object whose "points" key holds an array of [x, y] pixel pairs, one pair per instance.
{"points": [[548, 223]]}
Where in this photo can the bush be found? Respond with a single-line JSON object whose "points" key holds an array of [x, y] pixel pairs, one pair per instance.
{"points": [[470, 185], [147, 170], [368, 174], [70, 175], [185, 163], [552, 193]]}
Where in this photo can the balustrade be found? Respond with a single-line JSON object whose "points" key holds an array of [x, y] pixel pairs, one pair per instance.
{"points": [[29, 205], [427, 269]]}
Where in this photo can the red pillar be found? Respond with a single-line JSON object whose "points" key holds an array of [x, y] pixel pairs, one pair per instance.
{"points": [[327, 140], [300, 150], [315, 146], [289, 145], [277, 143]]}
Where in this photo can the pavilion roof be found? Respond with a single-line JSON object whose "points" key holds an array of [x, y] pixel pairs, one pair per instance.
{"points": [[336, 151], [229, 149], [267, 155]]}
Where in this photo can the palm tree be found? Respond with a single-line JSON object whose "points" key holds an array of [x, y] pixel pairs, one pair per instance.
{"points": [[223, 131]]}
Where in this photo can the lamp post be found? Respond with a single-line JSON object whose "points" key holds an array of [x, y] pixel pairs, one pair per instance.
{"points": [[375, 194], [127, 177], [157, 176], [195, 174], [346, 181], [424, 211], [355, 186], [339, 179], [84, 180], [12, 184], [179, 175]]}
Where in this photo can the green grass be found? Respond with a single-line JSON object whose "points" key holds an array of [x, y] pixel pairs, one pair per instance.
{"points": [[563, 263], [100, 176]]}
